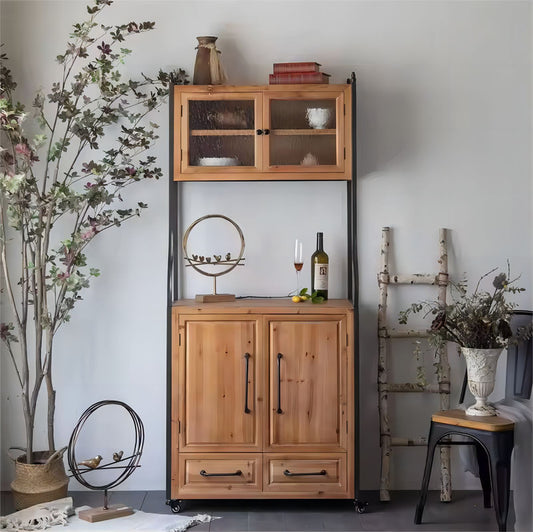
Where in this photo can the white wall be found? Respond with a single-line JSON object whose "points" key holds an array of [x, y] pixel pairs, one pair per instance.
{"points": [[444, 140]]}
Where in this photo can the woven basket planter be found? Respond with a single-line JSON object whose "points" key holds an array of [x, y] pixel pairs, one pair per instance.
{"points": [[43, 481]]}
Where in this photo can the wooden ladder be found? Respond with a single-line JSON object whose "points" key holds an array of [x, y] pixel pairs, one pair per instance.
{"points": [[385, 336]]}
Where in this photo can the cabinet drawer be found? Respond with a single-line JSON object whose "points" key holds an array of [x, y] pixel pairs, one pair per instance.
{"points": [[324, 474], [219, 473]]}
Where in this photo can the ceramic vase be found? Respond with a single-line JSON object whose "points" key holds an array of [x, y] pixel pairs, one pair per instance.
{"points": [[207, 67], [481, 368]]}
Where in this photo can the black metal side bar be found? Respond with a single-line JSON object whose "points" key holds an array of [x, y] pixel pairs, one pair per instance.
{"points": [[246, 409], [171, 276], [204, 473], [353, 289], [287, 473]]}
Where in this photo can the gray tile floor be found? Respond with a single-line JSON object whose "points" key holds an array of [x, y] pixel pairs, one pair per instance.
{"points": [[464, 513]]}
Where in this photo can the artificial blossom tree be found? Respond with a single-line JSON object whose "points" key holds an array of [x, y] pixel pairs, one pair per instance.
{"points": [[61, 188]]}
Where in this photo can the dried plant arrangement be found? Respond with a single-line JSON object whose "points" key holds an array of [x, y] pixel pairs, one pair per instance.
{"points": [[480, 319]]}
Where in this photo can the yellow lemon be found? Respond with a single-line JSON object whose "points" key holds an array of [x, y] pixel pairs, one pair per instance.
{"points": [[296, 299], [304, 298]]}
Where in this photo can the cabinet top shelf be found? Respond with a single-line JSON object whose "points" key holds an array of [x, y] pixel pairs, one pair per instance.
{"points": [[266, 305], [252, 132], [294, 87]]}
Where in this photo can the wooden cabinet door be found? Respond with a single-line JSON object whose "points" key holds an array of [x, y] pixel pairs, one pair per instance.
{"points": [[219, 134], [307, 132], [219, 385], [307, 371]]}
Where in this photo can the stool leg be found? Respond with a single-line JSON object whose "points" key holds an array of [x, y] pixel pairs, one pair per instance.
{"points": [[434, 438], [484, 474], [500, 470]]}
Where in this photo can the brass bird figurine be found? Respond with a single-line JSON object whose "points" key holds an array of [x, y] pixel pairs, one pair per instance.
{"points": [[92, 463], [228, 256], [118, 456], [217, 257]]}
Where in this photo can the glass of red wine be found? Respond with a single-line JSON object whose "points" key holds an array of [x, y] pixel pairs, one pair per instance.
{"points": [[298, 261]]}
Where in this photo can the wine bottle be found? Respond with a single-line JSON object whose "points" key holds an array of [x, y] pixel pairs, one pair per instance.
{"points": [[319, 268]]}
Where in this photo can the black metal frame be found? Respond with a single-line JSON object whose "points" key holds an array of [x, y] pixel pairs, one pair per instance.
{"points": [[494, 457], [352, 284]]}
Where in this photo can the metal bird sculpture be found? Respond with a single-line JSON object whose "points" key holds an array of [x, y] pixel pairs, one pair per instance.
{"points": [[118, 456], [92, 463]]}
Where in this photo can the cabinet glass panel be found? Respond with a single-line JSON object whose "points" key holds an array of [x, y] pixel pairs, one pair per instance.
{"points": [[303, 132], [221, 133]]}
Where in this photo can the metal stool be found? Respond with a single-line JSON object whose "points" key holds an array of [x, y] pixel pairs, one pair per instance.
{"points": [[493, 438]]}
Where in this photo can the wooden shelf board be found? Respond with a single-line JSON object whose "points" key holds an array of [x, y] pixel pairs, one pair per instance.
{"points": [[267, 305], [252, 132]]}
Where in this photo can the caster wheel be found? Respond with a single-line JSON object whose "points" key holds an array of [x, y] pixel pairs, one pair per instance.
{"points": [[176, 506], [360, 506]]}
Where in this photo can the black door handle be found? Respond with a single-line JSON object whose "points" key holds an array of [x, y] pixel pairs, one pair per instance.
{"points": [[266, 131], [287, 473], [279, 410], [246, 409], [259, 131], [204, 473]]}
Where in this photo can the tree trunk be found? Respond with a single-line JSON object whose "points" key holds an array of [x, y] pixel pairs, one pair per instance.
{"points": [[51, 393]]}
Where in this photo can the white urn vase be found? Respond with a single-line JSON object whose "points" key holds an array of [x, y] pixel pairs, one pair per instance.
{"points": [[481, 369]]}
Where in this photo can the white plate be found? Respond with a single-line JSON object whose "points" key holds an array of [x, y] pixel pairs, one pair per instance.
{"points": [[218, 161]]}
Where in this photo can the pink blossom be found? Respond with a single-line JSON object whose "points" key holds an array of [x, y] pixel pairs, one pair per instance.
{"points": [[88, 234], [23, 149]]}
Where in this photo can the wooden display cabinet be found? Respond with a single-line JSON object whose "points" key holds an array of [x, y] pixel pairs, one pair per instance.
{"points": [[262, 132], [262, 393], [262, 400]]}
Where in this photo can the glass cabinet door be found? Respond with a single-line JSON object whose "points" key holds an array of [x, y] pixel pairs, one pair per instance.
{"points": [[306, 132], [219, 131]]}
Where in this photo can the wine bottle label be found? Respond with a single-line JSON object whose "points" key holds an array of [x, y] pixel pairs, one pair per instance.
{"points": [[321, 276]]}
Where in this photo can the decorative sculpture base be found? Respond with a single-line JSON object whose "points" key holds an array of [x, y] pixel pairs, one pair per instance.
{"points": [[93, 515], [214, 298]]}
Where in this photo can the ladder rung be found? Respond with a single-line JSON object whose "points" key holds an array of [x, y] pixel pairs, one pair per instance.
{"points": [[385, 332], [412, 278], [409, 387], [408, 442]]}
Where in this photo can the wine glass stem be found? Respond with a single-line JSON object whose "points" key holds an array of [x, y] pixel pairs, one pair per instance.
{"points": [[297, 282]]}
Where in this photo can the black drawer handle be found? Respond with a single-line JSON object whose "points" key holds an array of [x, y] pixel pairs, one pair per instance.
{"points": [[246, 409], [287, 473], [259, 131], [279, 410], [204, 473], [267, 131]]}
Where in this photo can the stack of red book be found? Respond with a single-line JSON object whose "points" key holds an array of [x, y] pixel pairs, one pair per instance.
{"points": [[301, 72]]}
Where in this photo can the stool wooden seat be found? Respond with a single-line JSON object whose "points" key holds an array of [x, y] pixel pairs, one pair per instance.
{"points": [[493, 437], [459, 418]]}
